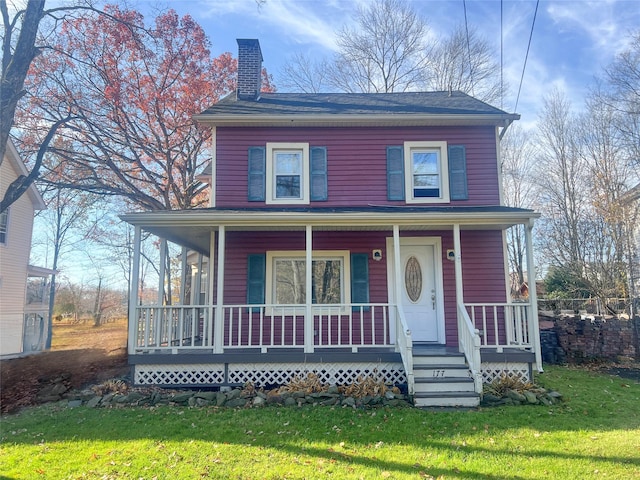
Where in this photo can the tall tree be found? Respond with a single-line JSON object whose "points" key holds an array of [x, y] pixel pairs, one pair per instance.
{"points": [[22, 41], [132, 92], [623, 79], [389, 49], [562, 178], [385, 52], [518, 154], [464, 61]]}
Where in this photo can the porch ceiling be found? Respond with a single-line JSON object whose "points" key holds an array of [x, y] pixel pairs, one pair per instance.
{"points": [[192, 228]]}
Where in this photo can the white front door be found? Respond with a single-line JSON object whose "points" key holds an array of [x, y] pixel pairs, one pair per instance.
{"points": [[420, 289]]}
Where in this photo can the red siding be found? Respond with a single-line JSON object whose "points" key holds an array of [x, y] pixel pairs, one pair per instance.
{"points": [[483, 268], [356, 161]]}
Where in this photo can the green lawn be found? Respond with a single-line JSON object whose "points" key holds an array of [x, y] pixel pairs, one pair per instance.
{"points": [[595, 433]]}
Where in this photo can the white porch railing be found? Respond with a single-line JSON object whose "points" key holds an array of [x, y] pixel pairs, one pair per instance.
{"points": [[503, 325], [469, 342], [169, 326], [404, 343], [263, 326]]}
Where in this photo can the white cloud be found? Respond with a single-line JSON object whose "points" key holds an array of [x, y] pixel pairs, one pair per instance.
{"points": [[294, 21]]}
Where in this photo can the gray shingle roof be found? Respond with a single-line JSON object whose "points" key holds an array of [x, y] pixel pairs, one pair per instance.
{"points": [[320, 104]]}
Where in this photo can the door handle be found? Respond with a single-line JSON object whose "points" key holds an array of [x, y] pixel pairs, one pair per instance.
{"points": [[433, 299]]}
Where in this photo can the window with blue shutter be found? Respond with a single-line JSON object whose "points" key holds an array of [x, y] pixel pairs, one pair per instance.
{"points": [[395, 173], [359, 278], [318, 170], [458, 189], [256, 276], [257, 174]]}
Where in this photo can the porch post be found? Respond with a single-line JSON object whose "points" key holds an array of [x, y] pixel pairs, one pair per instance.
{"points": [[396, 262], [183, 276], [308, 318], [197, 285], [162, 272], [133, 292], [534, 328], [218, 327], [458, 268]]}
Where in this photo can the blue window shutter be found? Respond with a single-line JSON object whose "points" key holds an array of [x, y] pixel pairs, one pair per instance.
{"points": [[257, 174], [458, 173], [256, 276], [359, 278], [395, 173], [318, 172]]}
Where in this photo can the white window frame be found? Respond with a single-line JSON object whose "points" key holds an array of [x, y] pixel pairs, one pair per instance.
{"points": [[6, 214], [271, 199], [443, 166], [345, 280]]}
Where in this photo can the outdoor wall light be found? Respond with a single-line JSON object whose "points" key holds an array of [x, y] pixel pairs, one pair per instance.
{"points": [[377, 255], [451, 255]]}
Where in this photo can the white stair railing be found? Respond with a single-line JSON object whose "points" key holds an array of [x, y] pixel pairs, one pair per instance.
{"points": [[469, 338], [405, 345]]}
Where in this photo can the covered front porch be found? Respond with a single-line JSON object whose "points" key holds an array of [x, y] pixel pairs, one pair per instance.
{"points": [[199, 321]]}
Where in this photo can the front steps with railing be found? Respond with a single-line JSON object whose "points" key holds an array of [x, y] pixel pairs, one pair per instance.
{"points": [[442, 378]]}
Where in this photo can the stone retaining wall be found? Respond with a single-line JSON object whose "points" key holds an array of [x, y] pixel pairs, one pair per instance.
{"points": [[576, 340]]}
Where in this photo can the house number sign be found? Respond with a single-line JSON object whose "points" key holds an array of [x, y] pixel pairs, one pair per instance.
{"points": [[413, 278]]}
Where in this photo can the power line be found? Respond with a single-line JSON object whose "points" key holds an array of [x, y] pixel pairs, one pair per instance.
{"points": [[466, 26], [501, 58], [527, 55]]}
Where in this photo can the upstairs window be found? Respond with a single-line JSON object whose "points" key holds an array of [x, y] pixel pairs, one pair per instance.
{"points": [[287, 176], [4, 221], [287, 173], [426, 172]]}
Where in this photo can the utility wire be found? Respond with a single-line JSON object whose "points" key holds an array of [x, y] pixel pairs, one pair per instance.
{"points": [[527, 55], [501, 58], [466, 26]]}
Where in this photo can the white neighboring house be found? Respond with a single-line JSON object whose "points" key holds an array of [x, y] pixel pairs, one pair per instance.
{"points": [[633, 196], [24, 303]]}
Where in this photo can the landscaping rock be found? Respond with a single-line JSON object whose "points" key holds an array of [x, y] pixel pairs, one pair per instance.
{"points": [[516, 397], [236, 402], [74, 403], [210, 396], [94, 402], [290, 402], [531, 397], [258, 401]]}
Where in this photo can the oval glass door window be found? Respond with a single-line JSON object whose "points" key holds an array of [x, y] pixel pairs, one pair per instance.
{"points": [[413, 278]]}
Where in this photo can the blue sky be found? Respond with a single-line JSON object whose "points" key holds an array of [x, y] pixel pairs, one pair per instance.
{"points": [[572, 40]]}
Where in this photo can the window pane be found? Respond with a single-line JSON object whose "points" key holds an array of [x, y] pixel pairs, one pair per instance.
{"points": [[287, 186], [288, 163], [426, 174], [289, 281], [326, 281], [425, 162]]}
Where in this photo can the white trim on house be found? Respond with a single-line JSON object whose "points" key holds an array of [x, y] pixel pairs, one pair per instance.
{"points": [[274, 147], [366, 120], [394, 277], [443, 171], [345, 274]]}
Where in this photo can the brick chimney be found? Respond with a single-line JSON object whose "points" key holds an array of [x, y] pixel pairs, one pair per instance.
{"points": [[249, 69]]}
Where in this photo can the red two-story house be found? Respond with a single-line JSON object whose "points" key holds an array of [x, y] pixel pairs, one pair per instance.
{"points": [[347, 235]]}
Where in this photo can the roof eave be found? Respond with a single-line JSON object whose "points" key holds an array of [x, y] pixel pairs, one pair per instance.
{"points": [[247, 120], [269, 219]]}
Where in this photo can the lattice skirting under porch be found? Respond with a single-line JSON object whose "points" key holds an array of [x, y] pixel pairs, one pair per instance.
{"points": [[493, 371], [264, 374]]}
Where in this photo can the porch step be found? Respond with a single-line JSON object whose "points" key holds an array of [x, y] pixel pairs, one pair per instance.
{"points": [[459, 399], [442, 378], [444, 385]]}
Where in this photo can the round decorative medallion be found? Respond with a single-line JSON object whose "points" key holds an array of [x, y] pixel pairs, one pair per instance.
{"points": [[413, 278]]}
